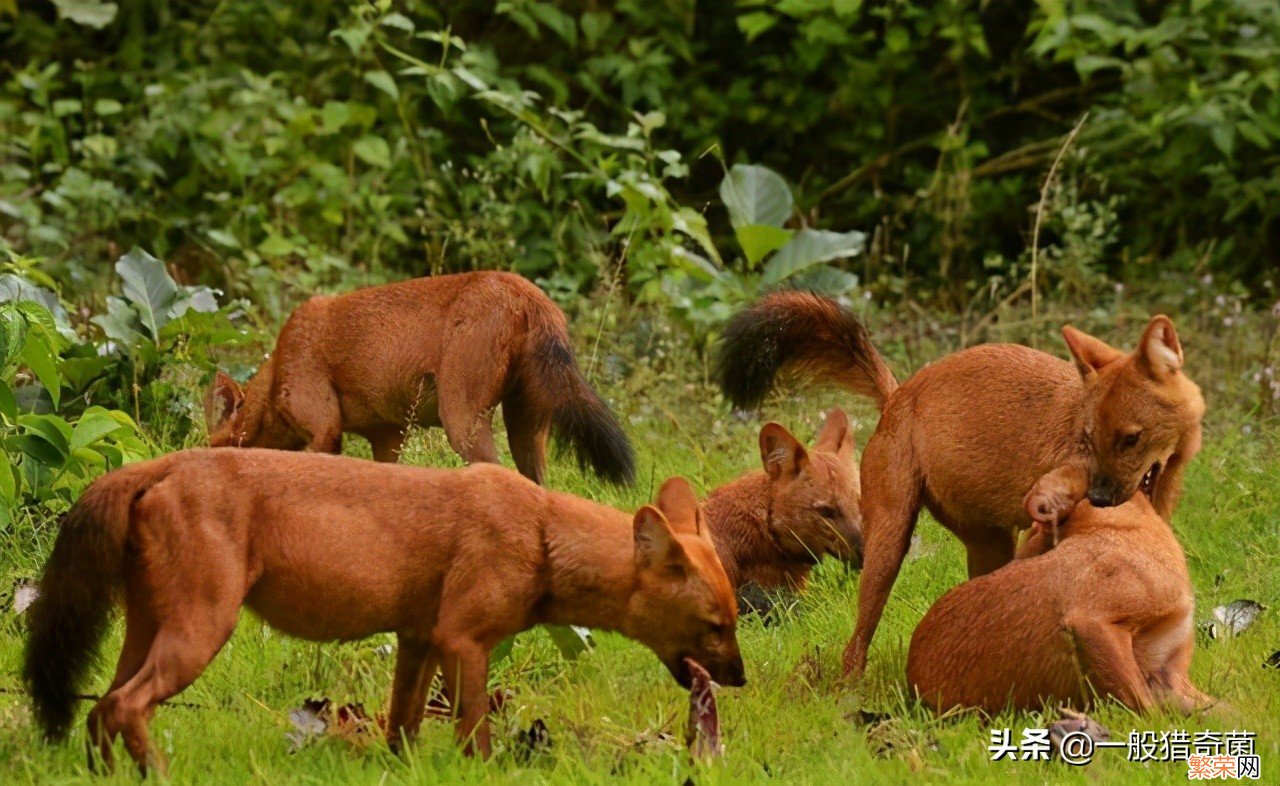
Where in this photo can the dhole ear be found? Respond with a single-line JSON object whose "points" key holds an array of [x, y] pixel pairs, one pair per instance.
{"points": [[679, 504], [1159, 351], [1090, 353], [835, 435], [782, 454], [656, 544], [221, 401]]}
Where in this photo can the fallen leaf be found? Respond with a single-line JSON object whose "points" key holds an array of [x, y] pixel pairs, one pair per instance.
{"points": [[703, 734], [1272, 662], [25, 593], [319, 717], [1233, 618]]}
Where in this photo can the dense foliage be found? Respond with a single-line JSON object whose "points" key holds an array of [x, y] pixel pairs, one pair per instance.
{"points": [[273, 147]]}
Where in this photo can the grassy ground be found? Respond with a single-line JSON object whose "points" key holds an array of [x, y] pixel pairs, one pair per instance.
{"points": [[614, 715]]}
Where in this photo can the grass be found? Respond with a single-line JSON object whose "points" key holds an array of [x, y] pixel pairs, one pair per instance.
{"points": [[615, 716]]}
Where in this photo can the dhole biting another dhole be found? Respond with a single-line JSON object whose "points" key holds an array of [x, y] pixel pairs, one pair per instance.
{"points": [[968, 435], [1105, 612], [333, 548], [771, 526], [440, 351]]}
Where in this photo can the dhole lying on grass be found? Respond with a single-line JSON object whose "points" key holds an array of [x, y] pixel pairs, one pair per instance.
{"points": [[968, 435], [771, 526], [1107, 611], [441, 351], [333, 548]]}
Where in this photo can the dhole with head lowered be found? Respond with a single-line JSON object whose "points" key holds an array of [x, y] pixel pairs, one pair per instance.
{"points": [[1105, 612], [771, 526], [440, 351], [334, 548], [967, 436]]}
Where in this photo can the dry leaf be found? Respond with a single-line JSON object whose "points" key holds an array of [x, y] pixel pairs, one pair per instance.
{"points": [[25, 593], [1233, 618]]}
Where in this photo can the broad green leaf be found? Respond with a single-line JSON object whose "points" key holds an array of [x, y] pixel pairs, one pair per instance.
{"points": [[759, 241], [119, 323], [43, 362], [384, 82], [148, 287], [47, 438], [18, 290], [373, 150], [92, 427], [756, 23], [13, 334], [90, 13], [697, 267], [756, 195], [8, 404], [107, 106], [690, 222], [571, 640], [8, 484], [810, 247], [825, 280]]}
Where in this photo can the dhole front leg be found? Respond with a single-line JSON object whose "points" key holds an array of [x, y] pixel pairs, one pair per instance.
{"points": [[1105, 655], [416, 666], [466, 673], [890, 504]]}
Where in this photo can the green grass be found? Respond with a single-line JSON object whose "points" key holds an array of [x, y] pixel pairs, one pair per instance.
{"points": [[614, 714]]}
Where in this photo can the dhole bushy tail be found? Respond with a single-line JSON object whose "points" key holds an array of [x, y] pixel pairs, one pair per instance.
{"points": [[802, 333], [81, 583], [552, 388]]}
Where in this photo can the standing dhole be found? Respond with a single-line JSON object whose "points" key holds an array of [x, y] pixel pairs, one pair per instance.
{"points": [[441, 351], [333, 548], [772, 526], [967, 436], [1107, 611]]}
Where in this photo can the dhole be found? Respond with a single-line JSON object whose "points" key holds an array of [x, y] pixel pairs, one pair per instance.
{"points": [[771, 526], [1107, 611], [333, 548], [441, 351], [968, 435]]}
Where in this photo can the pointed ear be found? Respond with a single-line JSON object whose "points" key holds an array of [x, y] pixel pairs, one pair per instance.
{"points": [[835, 435], [1159, 350], [782, 454], [1090, 353], [222, 399], [656, 544], [679, 504]]}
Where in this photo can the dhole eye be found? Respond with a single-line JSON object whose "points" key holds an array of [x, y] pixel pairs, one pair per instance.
{"points": [[827, 511], [1129, 440]]}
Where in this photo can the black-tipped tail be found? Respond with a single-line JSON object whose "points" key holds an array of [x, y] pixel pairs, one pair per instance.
{"points": [[580, 419], [802, 333], [77, 594]]}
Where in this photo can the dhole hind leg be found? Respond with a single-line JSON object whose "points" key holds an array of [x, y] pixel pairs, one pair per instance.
{"points": [[1105, 655], [139, 635], [310, 405], [416, 666], [468, 389], [386, 444], [891, 488], [988, 549], [527, 435], [465, 667]]}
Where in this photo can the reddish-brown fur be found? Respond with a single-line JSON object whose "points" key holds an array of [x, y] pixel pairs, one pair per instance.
{"points": [[334, 548], [771, 526], [441, 351], [1107, 611], [968, 435]]}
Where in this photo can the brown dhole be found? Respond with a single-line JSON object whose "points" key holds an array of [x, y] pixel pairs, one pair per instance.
{"points": [[968, 435], [333, 548], [1108, 611], [441, 351], [771, 526]]}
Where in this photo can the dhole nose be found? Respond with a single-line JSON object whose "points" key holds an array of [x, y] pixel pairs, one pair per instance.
{"points": [[736, 675], [1103, 497]]}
